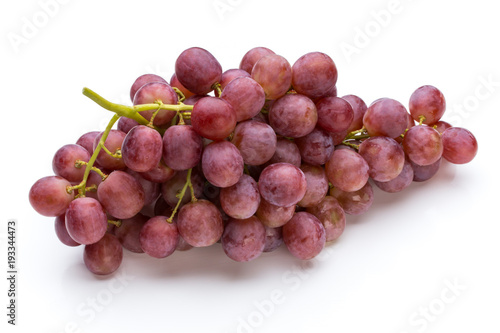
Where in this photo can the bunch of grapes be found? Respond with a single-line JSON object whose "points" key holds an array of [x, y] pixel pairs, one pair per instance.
{"points": [[250, 158]]}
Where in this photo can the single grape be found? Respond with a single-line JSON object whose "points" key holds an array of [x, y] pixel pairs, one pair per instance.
{"points": [[230, 75], [158, 238], [213, 118], [402, 181], [282, 184], [384, 156], [317, 185], [354, 203], [172, 188], [200, 223], [359, 109], [429, 102], [244, 240], [252, 56], [113, 142], [304, 236], [64, 162], [153, 92], [293, 115], [129, 231], [314, 75], [316, 148], [287, 152], [246, 97], [222, 163], [159, 174], [198, 70], [256, 141], [331, 214], [126, 124], [274, 216], [421, 173], [347, 170], [241, 200], [87, 140], [142, 148], [62, 232], [86, 220], [142, 80], [423, 145], [274, 74], [182, 147], [121, 195], [338, 137], [49, 196], [174, 82], [334, 114], [274, 238], [105, 256], [460, 145], [386, 117]]}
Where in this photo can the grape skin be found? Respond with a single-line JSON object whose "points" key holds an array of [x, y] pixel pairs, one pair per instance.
{"points": [[402, 181], [317, 185], [359, 109], [330, 213], [347, 170], [304, 236], [213, 118], [293, 115], [153, 92], [423, 145], [241, 200], [334, 114], [386, 117], [274, 216], [274, 238], [460, 145], [48, 196], [142, 80], [159, 174], [200, 223], [182, 147], [282, 184], [384, 156], [158, 238], [314, 75], [142, 148], [274, 74], [422, 173], [255, 140], [246, 97], [222, 163], [198, 70], [315, 148], [86, 220], [287, 152], [252, 56], [244, 240], [230, 75], [427, 101], [174, 82], [354, 203], [121, 195], [103, 257], [87, 140], [151, 189]]}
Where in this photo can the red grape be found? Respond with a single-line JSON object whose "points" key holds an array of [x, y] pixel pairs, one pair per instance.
{"points": [[49, 196], [460, 145], [304, 236], [103, 257]]}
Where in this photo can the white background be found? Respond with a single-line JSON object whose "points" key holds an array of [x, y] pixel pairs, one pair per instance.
{"points": [[432, 248]]}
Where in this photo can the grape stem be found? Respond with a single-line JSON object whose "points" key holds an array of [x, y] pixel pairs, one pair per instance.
{"points": [[181, 195], [80, 163], [117, 223]]}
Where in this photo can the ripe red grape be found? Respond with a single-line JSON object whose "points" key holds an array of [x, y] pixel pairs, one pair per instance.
{"points": [[384, 156], [402, 181], [317, 185], [142, 148], [153, 92], [105, 256], [213, 118], [293, 115], [347, 170], [460, 145], [222, 163], [274, 73], [62, 232], [200, 223], [241, 200], [386, 117], [315, 148], [129, 231], [86, 220], [314, 75], [304, 235], [198, 70], [49, 196], [158, 238], [113, 142], [359, 108], [274, 216], [429, 102], [354, 203], [182, 147], [244, 240], [246, 97], [142, 80], [423, 145], [282, 184], [330, 213], [252, 56], [255, 140]]}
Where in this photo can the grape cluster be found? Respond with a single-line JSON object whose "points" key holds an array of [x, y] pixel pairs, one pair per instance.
{"points": [[251, 158]]}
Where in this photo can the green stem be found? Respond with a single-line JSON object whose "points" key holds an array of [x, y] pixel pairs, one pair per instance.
{"points": [[181, 195]]}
